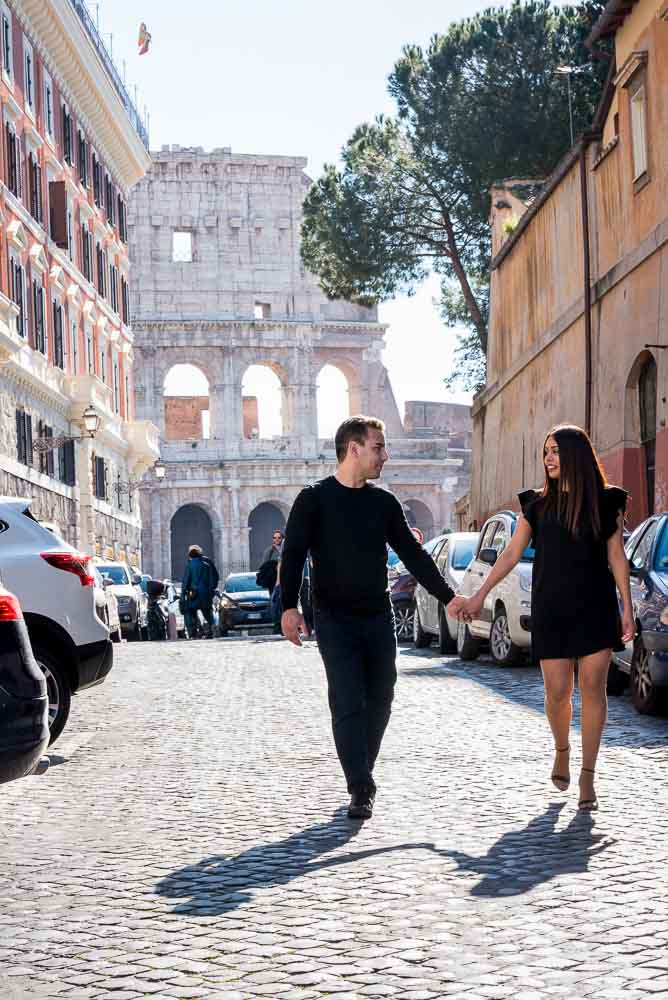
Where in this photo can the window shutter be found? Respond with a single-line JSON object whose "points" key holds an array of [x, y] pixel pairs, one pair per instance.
{"points": [[62, 474], [50, 458], [29, 455], [20, 436], [58, 199], [70, 469]]}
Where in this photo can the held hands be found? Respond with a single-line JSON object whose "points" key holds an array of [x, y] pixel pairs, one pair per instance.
{"points": [[628, 625], [465, 609], [293, 626]]}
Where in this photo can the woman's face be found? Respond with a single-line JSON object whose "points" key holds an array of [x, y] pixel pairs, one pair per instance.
{"points": [[551, 458]]}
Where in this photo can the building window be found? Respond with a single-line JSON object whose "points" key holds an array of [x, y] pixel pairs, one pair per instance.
{"points": [[75, 347], [66, 467], [48, 106], [67, 136], [97, 181], [35, 188], [86, 252], [13, 161], [58, 347], [100, 478], [101, 270], [122, 220], [125, 301], [90, 362], [182, 247], [638, 99], [647, 392], [7, 56], [29, 77], [110, 201], [103, 361], [39, 320], [113, 287], [70, 231], [46, 458], [18, 280], [262, 310], [24, 437], [117, 388], [127, 397], [83, 159]]}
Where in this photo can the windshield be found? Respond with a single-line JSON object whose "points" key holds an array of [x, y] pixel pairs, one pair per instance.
{"points": [[117, 574], [463, 553], [241, 584], [529, 551], [661, 557]]}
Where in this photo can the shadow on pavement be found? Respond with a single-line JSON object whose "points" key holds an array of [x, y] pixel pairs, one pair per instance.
{"points": [[523, 859], [524, 686], [218, 885]]}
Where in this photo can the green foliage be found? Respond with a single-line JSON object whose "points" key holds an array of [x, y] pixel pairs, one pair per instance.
{"points": [[482, 103]]}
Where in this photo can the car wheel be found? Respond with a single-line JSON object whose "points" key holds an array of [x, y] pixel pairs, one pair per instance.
{"points": [[403, 620], [504, 651], [646, 697], [446, 644], [58, 692], [468, 646], [135, 635], [421, 639], [617, 682]]}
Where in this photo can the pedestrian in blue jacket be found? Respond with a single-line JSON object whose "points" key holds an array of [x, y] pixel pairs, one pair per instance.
{"points": [[197, 589]]}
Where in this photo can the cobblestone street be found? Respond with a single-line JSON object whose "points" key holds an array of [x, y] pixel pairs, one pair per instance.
{"points": [[190, 841]]}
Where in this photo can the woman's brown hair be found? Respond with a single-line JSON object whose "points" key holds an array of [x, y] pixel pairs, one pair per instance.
{"points": [[575, 496]]}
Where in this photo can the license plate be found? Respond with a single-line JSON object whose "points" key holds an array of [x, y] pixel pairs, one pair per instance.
{"points": [[255, 615]]}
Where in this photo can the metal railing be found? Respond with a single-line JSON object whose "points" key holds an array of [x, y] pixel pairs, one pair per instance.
{"points": [[108, 63]]}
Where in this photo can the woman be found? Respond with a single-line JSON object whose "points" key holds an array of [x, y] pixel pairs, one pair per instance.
{"points": [[575, 522]]}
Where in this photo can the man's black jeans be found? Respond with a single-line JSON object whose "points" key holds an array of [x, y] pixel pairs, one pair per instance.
{"points": [[359, 653]]}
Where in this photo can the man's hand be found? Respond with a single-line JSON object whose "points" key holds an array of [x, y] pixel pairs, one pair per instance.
{"points": [[293, 626], [465, 609]]}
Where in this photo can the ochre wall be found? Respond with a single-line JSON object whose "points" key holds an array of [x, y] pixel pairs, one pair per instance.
{"points": [[183, 417]]}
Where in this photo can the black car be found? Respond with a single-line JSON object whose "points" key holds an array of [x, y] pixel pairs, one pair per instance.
{"points": [[243, 604], [24, 706], [645, 659]]}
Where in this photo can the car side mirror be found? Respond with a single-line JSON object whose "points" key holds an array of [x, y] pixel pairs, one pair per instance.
{"points": [[106, 581], [488, 556], [136, 579]]}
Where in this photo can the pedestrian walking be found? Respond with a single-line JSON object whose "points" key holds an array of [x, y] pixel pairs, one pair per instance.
{"points": [[197, 589], [273, 553], [575, 524], [346, 523]]}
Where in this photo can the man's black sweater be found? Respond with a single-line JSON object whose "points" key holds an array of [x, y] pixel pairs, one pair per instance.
{"points": [[347, 531]]}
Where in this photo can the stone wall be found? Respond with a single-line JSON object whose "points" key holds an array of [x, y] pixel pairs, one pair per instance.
{"points": [[183, 417]]}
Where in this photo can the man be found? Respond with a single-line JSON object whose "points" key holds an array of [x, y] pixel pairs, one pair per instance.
{"points": [[273, 553], [197, 592], [347, 523]]}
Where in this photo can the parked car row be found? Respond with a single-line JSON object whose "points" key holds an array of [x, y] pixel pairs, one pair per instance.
{"points": [[504, 626]]}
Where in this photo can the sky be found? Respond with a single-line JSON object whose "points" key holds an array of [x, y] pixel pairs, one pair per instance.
{"points": [[294, 78]]}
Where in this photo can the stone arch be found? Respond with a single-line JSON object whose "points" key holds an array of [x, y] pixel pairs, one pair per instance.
{"points": [[640, 426], [353, 371], [264, 518], [187, 402], [264, 387], [191, 524], [332, 399], [419, 515]]}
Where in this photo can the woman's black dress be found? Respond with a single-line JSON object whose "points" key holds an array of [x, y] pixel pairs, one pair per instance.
{"points": [[574, 609]]}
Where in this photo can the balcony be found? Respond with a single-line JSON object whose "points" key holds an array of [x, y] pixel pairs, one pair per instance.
{"points": [[88, 390], [105, 57], [144, 441]]}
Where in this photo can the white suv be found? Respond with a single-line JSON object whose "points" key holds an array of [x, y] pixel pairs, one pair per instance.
{"points": [[505, 620], [132, 601], [56, 588]]}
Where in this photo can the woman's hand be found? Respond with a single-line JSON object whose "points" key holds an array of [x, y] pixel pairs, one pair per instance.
{"points": [[628, 625], [465, 609]]}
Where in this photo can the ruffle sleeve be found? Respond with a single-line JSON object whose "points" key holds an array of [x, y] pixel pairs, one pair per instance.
{"points": [[614, 503], [528, 500]]}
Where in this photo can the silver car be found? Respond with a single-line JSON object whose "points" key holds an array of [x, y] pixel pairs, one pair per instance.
{"points": [[430, 621]]}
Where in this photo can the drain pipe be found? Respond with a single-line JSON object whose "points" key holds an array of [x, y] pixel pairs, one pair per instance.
{"points": [[584, 201]]}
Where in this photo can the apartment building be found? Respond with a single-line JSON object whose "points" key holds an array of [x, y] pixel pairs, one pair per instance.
{"points": [[71, 147]]}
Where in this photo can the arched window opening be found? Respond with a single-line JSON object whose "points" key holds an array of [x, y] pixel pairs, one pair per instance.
{"points": [[263, 520], [262, 403], [332, 400], [191, 525], [419, 516], [186, 397], [647, 401]]}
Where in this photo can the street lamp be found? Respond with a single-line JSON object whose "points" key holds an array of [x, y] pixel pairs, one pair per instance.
{"points": [[91, 423], [130, 485], [159, 469], [567, 71]]}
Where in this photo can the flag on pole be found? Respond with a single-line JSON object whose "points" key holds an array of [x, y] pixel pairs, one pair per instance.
{"points": [[144, 39]]}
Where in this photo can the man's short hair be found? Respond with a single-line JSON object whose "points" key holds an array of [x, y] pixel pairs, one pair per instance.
{"points": [[194, 550], [277, 531], [355, 429]]}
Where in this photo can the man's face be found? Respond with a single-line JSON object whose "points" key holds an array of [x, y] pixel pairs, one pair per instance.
{"points": [[372, 455], [277, 538]]}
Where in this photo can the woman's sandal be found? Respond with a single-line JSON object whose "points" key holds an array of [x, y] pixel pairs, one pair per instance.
{"points": [[561, 781], [588, 805]]}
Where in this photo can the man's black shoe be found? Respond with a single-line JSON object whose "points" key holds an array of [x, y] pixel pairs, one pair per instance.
{"points": [[361, 802]]}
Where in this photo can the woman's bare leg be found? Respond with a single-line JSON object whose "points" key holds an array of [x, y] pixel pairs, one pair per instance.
{"points": [[592, 679], [558, 681]]}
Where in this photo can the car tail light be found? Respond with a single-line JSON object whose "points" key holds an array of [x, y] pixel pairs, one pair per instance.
{"points": [[71, 562], [10, 609]]}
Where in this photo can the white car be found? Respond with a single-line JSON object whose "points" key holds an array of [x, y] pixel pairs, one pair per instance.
{"points": [[452, 556], [173, 596], [56, 588], [132, 601], [107, 605], [505, 620]]}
